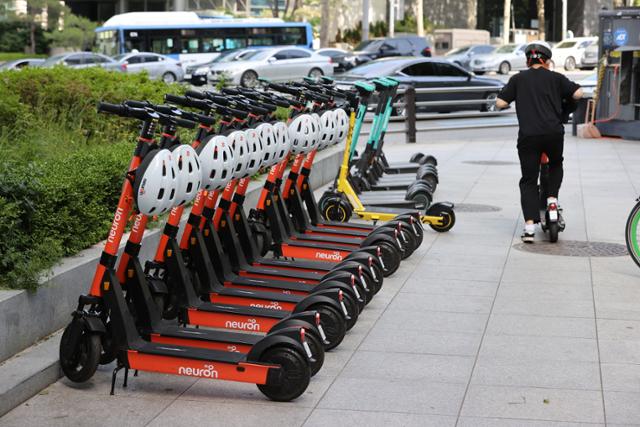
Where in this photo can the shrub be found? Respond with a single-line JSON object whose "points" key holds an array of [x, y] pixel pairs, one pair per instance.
{"points": [[61, 165]]}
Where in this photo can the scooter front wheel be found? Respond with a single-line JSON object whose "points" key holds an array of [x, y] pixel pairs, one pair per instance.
{"points": [[79, 361], [448, 219], [294, 374]]}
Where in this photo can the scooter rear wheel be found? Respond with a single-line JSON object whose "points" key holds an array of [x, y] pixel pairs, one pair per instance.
{"points": [[390, 257], [294, 376], [554, 229], [80, 363], [318, 353], [333, 323]]}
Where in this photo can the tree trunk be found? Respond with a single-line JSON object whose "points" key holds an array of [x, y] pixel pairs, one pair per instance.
{"points": [[472, 11], [541, 22], [324, 24], [506, 21], [420, 17], [32, 38]]}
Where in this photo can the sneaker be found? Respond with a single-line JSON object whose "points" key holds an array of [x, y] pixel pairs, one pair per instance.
{"points": [[527, 237]]}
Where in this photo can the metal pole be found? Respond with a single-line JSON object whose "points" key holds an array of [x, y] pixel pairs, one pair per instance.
{"points": [[506, 21], [392, 18], [248, 2], [365, 20], [410, 109], [564, 19]]}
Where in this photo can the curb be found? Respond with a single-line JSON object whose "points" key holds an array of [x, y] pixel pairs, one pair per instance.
{"points": [[22, 375]]}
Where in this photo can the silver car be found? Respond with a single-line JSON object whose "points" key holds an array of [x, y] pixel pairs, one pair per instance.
{"points": [[157, 66], [78, 60], [504, 59], [197, 73], [276, 64], [462, 56], [17, 64]]}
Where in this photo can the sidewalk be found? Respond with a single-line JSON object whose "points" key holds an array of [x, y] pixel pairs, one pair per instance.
{"points": [[471, 331]]}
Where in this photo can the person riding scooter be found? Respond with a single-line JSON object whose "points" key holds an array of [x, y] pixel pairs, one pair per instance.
{"points": [[539, 94]]}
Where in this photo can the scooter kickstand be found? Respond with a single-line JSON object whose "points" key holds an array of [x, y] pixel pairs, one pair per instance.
{"points": [[113, 378], [126, 377]]}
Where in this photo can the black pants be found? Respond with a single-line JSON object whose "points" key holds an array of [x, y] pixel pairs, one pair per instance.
{"points": [[530, 150]]}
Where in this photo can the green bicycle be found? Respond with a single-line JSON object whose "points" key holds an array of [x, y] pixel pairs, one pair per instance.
{"points": [[632, 233]]}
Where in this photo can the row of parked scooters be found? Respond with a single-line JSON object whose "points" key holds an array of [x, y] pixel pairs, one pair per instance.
{"points": [[211, 303]]}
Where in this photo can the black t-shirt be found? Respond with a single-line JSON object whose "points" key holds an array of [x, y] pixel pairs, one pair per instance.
{"points": [[539, 93]]}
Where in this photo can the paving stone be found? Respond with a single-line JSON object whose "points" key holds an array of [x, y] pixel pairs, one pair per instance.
{"points": [[538, 373], [504, 422], [622, 407], [335, 417], [391, 395], [544, 307], [426, 367], [513, 324], [228, 414], [534, 404], [451, 287], [418, 341], [612, 329], [438, 302], [539, 348], [620, 377], [619, 351], [434, 321]]}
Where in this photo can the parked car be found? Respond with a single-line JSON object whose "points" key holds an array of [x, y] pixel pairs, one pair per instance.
{"points": [[589, 59], [78, 60], [342, 60], [17, 64], [197, 73], [462, 56], [589, 84], [503, 60], [276, 64], [568, 53], [157, 66], [396, 46], [431, 73]]}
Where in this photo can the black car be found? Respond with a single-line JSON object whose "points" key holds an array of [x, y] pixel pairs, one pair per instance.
{"points": [[338, 58], [430, 73], [394, 46]]}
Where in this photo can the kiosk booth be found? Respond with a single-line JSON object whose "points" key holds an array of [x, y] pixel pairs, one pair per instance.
{"points": [[618, 98]]}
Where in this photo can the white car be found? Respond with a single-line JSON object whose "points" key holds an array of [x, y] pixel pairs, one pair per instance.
{"points": [[275, 64], [568, 53], [509, 57]]}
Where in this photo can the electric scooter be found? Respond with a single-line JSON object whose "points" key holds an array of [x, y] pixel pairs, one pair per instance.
{"points": [[551, 219], [280, 370]]}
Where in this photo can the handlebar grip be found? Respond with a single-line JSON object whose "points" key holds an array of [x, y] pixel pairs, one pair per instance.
{"points": [[117, 109], [284, 89], [138, 104], [237, 113], [230, 91], [188, 102], [195, 94], [221, 100], [184, 123]]}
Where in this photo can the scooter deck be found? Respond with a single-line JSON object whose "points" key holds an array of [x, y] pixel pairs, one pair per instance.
{"points": [[181, 352], [175, 331]]}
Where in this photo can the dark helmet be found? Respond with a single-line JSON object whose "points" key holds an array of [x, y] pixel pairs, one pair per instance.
{"points": [[538, 52]]}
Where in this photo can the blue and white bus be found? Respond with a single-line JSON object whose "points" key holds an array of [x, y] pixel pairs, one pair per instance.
{"points": [[192, 38]]}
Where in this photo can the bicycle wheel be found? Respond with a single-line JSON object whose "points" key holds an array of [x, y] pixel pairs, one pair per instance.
{"points": [[632, 234]]}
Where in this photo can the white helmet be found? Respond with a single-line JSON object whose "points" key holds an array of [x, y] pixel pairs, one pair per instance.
{"points": [[256, 152], [216, 161], [327, 129], [268, 138], [342, 125], [187, 166], [155, 183], [238, 141], [303, 133], [283, 142]]}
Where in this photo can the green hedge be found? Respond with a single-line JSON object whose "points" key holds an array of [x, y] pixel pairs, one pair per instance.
{"points": [[61, 165]]}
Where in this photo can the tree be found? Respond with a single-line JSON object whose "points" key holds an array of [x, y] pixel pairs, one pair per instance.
{"points": [[77, 33], [541, 23], [324, 24]]}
